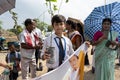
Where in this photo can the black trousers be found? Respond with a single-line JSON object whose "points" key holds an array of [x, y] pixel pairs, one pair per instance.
{"points": [[50, 69], [37, 55], [13, 75], [86, 59]]}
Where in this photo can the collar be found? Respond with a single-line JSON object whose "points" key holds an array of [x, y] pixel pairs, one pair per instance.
{"points": [[57, 35]]}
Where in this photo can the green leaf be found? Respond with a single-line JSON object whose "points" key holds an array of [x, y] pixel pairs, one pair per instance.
{"points": [[55, 7], [52, 0], [67, 1]]}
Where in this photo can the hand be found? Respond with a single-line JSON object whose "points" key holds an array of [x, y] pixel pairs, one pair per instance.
{"points": [[113, 43], [36, 47], [9, 67], [87, 43], [46, 55], [102, 38], [40, 44]]}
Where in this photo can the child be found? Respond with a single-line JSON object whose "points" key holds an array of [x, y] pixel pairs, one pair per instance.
{"points": [[61, 44], [75, 68], [13, 58]]}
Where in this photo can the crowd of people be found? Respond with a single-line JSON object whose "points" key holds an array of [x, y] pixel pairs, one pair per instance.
{"points": [[56, 48]]}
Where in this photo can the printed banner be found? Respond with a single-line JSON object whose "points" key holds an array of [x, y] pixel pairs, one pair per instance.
{"points": [[69, 67]]}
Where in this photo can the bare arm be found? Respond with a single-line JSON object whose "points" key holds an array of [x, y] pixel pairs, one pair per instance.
{"points": [[99, 40], [25, 46], [4, 65]]}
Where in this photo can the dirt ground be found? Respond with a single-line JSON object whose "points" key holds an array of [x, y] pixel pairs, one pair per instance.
{"points": [[88, 74]]}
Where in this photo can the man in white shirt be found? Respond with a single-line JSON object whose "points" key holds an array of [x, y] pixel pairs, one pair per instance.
{"points": [[37, 32], [28, 45], [60, 54]]}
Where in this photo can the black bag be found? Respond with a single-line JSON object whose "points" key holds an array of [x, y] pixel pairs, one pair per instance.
{"points": [[109, 44]]}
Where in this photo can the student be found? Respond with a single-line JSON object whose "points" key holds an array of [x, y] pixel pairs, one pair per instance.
{"points": [[74, 62], [80, 29], [13, 58], [73, 34], [62, 45]]}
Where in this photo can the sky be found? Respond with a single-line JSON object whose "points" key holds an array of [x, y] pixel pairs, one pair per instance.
{"points": [[78, 9]]}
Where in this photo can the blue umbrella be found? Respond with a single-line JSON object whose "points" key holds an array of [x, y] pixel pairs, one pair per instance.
{"points": [[94, 21]]}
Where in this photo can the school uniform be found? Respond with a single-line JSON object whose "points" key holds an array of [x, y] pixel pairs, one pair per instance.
{"points": [[14, 58], [28, 55], [54, 42]]}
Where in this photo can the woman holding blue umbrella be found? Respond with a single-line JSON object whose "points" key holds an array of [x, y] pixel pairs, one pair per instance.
{"points": [[105, 54]]}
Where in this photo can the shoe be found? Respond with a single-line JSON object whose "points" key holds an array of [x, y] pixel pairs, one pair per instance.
{"points": [[118, 64], [93, 70]]}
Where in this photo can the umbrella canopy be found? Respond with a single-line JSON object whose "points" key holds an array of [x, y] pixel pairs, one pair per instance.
{"points": [[6, 5], [93, 22]]}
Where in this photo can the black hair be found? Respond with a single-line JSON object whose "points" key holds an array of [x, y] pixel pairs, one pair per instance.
{"points": [[76, 56], [73, 24], [57, 19], [28, 21], [80, 30], [16, 44], [107, 19]]}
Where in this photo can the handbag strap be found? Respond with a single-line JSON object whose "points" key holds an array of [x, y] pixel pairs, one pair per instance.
{"points": [[110, 35]]}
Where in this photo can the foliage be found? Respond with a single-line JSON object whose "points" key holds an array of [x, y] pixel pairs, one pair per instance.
{"points": [[0, 24], [52, 0], [14, 17], [42, 25], [17, 31], [50, 28], [52, 4]]}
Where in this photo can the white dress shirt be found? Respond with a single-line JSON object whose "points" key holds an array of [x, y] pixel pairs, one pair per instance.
{"points": [[67, 45], [38, 31], [27, 53]]}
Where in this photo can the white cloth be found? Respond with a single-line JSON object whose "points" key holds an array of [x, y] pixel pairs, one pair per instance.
{"points": [[69, 50], [27, 53], [74, 75]]}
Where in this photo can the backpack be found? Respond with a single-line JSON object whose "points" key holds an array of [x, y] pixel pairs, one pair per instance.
{"points": [[16, 65]]}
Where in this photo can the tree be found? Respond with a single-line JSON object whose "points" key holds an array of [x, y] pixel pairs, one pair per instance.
{"points": [[14, 17], [42, 25], [0, 24], [53, 6], [17, 31], [50, 28]]}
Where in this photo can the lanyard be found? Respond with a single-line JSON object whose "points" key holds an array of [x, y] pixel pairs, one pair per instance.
{"points": [[59, 46]]}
